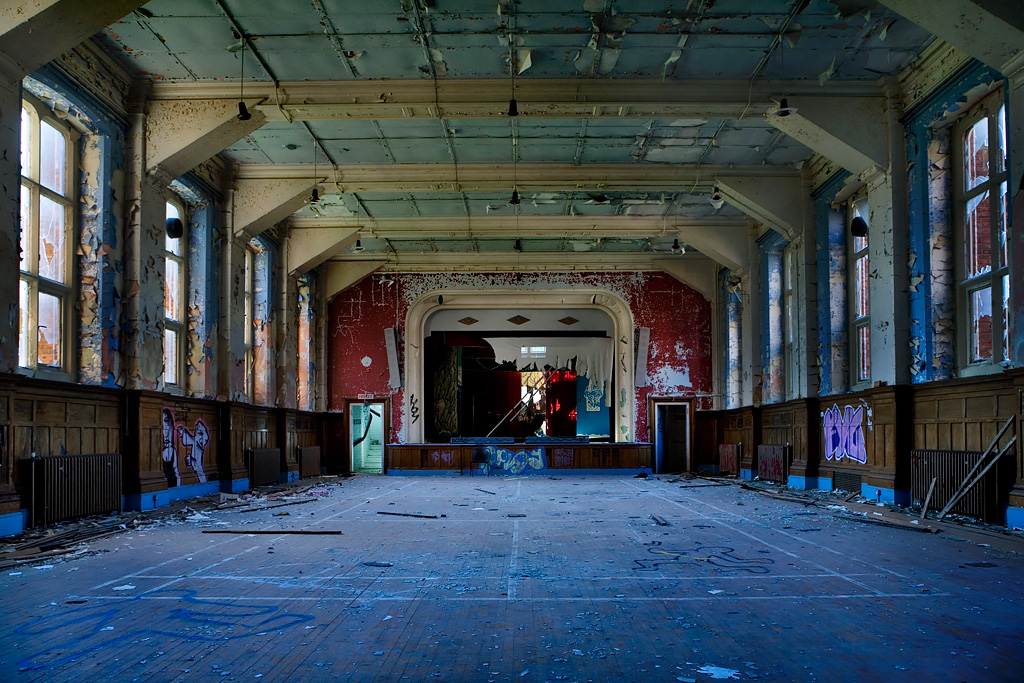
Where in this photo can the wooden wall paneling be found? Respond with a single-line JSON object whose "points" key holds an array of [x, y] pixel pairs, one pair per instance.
{"points": [[10, 501]]}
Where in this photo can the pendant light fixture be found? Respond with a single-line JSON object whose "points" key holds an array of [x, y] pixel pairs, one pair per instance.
{"points": [[243, 112]]}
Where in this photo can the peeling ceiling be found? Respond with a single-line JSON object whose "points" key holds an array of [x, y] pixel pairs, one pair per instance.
{"points": [[461, 47]]}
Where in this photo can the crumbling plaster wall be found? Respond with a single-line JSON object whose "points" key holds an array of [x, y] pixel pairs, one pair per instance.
{"points": [[679, 318], [931, 258]]}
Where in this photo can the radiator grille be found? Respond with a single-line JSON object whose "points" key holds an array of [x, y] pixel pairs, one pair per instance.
{"points": [[950, 468], [264, 466], [71, 486], [729, 457], [773, 462], [846, 481], [309, 461]]}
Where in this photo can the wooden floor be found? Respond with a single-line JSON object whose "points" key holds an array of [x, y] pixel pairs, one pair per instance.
{"points": [[524, 579]]}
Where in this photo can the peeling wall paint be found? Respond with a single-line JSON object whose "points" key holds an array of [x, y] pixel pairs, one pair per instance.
{"points": [[932, 258], [833, 312], [679, 362], [10, 144]]}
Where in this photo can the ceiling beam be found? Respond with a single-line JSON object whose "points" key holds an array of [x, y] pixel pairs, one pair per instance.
{"points": [[523, 262], [182, 135], [991, 31], [343, 274], [309, 247], [258, 205], [777, 202], [34, 33], [527, 177], [488, 98], [849, 131]]}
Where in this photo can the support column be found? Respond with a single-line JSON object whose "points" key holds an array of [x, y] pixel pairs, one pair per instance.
{"points": [[751, 323], [10, 169], [287, 333], [1015, 143], [888, 249], [144, 266], [808, 360]]}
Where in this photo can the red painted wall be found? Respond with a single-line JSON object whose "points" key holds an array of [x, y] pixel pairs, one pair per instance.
{"points": [[679, 362]]}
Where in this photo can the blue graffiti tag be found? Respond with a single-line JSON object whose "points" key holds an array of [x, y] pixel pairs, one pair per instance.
{"points": [[844, 436], [515, 462], [90, 629]]}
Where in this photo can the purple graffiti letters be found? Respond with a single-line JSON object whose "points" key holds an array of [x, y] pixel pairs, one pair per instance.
{"points": [[844, 436]]}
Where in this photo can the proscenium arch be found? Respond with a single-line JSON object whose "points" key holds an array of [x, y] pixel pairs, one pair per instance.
{"points": [[623, 409]]}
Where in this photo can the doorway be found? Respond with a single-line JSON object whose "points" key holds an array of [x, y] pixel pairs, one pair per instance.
{"points": [[670, 424], [366, 429]]}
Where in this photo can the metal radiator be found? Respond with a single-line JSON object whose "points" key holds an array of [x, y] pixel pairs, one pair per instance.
{"points": [[773, 462], [264, 466], [949, 469], [72, 486], [309, 461], [729, 455]]}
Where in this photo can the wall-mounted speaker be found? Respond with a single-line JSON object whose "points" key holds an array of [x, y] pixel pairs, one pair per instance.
{"points": [[175, 229]]}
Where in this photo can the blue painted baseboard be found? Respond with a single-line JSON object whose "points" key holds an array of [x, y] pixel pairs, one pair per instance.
{"points": [[1014, 517], [892, 496], [234, 485], [12, 524], [803, 483], [824, 484], [140, 502], [747, 474], [502, 473], [194, 490], [288, 477]]}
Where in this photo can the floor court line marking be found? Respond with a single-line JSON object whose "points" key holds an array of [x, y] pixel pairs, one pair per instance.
{"points": [[504, 599], [574, 579], [229, 540], [781, 550]]}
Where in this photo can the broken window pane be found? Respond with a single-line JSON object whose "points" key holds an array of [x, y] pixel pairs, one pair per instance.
{"points": [[1001, 156], [1004, 223], [172, 290], [26, 143], [976, 154], [51, 239], [26, 226], [860, 294], [23, 325], [170, 356], [52, 158], [1006, 317], [981, 324], [979, 236], [864, 352], [48, 351]]}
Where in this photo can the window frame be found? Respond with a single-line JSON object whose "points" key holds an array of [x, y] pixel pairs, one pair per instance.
{"points": [[31, 283], [859, 323], [248, 320], [304, 393], [790, 323], [994, 279], [178, 327]]}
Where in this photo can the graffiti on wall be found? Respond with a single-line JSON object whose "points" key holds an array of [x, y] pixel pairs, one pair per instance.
{"points": [[516, 462], [183, 448], [844, 434]]}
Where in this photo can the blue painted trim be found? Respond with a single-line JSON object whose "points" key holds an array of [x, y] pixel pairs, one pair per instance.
{"points": [[234, 485], [13, 523], [1014, 517], [501, 473], [803, 483], [193, 490], [881, 495], [747, 474], [824, 483], [288, 477], [140, 502]]}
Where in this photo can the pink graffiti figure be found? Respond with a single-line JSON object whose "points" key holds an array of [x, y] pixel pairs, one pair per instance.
{"points": [[195, 446], [844, 436]]}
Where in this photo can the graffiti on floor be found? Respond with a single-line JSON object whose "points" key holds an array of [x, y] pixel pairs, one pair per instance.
{"points": [[170, 613], [844, 435], [192, 448], [722, 559], [515, 462]]}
